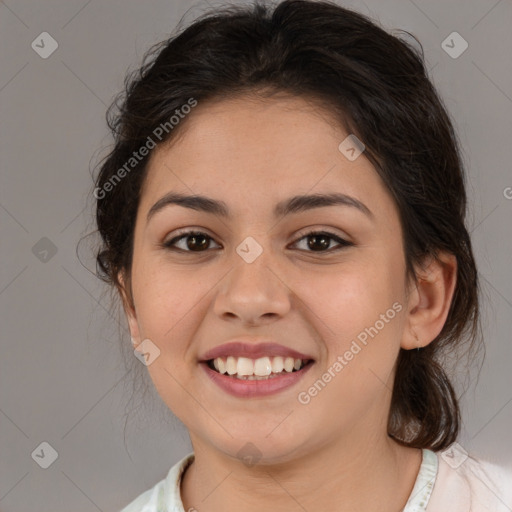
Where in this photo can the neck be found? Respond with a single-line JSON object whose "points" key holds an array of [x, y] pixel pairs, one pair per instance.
{"points": [[375, 474]]}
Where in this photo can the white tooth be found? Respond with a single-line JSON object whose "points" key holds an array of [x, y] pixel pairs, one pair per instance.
{"points": [[231, 365], [288, 364], [216, 364], [221, 365], [262, 366], [297, 364], [277, 364], [245, 366]]}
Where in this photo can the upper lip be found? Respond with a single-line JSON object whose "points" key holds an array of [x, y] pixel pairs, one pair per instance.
{"points": [[252, 351]]}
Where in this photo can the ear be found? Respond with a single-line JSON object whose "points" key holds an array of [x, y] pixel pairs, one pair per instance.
{"points": [[429, 301], [129, 310]]}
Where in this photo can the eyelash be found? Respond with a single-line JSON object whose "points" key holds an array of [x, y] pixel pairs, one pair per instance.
{"points": [[185, 234]]}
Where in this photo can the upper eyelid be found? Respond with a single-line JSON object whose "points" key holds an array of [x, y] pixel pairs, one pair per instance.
{"points": [[301, 232]]}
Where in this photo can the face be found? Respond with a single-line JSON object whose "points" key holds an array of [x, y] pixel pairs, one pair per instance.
{"points": [[337, 296]]}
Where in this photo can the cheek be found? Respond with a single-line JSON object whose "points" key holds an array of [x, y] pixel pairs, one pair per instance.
{"points": [[358, 310], [169, 304], [168, 301], [359, 321], [346, 299]]}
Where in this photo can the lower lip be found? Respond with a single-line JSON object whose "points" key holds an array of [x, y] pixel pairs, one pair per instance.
{"points": [[255, 388]]}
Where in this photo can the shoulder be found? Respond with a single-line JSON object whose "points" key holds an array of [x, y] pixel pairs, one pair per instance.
{"points": [[467, 483], [165, 495]]}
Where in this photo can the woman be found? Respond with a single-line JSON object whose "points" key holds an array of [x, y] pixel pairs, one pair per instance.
{"points": [[283, 215]]}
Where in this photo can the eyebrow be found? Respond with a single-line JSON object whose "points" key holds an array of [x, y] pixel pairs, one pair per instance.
{"points": [[294, 204]]}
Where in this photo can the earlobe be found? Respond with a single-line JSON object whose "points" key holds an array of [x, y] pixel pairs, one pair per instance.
{"points": [[430, 302]]}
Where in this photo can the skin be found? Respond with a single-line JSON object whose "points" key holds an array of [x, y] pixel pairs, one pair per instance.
{"points": [[333, 453]]}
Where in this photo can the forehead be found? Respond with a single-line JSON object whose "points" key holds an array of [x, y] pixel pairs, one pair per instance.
{"points": [[249, 149], [256, 130]]}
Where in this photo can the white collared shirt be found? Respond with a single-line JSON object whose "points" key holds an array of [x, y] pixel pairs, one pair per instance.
{"points": [[443, 484]]}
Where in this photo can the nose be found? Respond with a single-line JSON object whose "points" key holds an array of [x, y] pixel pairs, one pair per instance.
{"points": [[253, 293]]}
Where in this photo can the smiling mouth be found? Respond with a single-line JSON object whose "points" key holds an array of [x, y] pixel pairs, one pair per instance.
{"points": [[264, 368]]}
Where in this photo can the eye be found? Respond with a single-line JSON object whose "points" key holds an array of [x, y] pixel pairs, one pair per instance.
{"points": [[320, 240], [197, 241]]}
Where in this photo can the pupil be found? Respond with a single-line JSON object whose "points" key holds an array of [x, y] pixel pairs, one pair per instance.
{"points": [[323, 238], [192, 246]]}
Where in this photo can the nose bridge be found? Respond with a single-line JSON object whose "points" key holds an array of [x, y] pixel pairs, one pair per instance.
{"points": [[252, 262], [252, 289]]}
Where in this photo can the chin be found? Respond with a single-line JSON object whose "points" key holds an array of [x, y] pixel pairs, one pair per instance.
{"points": [[261, 450]]}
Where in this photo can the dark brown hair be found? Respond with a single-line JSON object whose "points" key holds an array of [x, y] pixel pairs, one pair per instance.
{"points": [[377, 86]]}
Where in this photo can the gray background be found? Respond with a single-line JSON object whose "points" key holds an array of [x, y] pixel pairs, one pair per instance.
{"points": [[63, 379]]}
